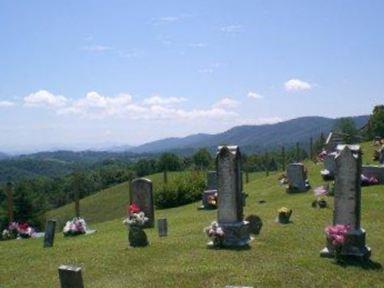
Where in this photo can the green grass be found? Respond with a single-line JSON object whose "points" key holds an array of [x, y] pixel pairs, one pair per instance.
{"points": [[282, 255]]}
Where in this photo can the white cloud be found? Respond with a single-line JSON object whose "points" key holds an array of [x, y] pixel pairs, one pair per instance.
{"points": [[157, 100], [231, 28], [169, 19], [296, 85], [96, 48], [254, 95], [45, 98], [226, 103], [4, 104]]}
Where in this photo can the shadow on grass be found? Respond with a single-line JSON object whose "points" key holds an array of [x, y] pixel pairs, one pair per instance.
{"points": [[366, 264], [232, 248]]}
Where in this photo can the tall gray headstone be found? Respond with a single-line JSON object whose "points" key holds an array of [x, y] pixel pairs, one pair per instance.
{"points": [[230, 197], [296, 176], [142, 195], [329, 166], [49, 235], [347, 201], [70, 277]]}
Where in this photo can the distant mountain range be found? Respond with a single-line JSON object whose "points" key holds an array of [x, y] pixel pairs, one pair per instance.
{"points": [[253, 138], [3, 156]]}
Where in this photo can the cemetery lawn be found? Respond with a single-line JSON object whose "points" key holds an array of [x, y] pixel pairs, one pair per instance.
{"points": [[282, 255]]}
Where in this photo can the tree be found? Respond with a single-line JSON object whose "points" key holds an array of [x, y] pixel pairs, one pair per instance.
{"points": [[202, 158], [347, 126], [376, 123], [169, 162]]}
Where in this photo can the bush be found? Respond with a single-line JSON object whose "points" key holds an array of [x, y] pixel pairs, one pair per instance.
{"points": [[184, 189]]}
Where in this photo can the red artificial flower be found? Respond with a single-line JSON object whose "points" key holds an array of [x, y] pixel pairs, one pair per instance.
{"points": [[133, 208]]}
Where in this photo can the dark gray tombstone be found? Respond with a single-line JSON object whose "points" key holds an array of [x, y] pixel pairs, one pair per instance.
{"points": [[162, 225], [296, 177], [255, 224], [49, 235], [210, 191], [329, 167], [230, 197], [374, 171], [347, 202], [142, 195], [70, 277]]}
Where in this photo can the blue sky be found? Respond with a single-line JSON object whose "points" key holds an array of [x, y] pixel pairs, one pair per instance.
{"points": [[95, 73]]}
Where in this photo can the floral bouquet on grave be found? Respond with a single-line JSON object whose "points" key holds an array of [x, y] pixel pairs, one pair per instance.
{"points": [[337, 236], [74, 227], [216, 233], [18, 230], [322, 155], [320, 192], [284, 215], [136, 217], [283, 180], [135, 222], [212, 200]]}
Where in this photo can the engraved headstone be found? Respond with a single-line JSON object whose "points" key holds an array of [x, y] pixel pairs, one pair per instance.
{"points": [[142, 195], [70, 277], [230, 197], [49, 235], [347, 202], [162, 225], [374, 171], [296, 177], [329, 167]]}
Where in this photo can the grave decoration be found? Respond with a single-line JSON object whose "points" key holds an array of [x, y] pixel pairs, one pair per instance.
{"points": [[74, 227], [135, 222], [17, 230], [320, 192], [284, 215]]}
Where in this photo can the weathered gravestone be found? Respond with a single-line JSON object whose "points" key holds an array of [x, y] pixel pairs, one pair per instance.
{"points": [[142, 195], [210, 191], [297, 178], [374, 171], [347, 203], [49, 235], [70, 277], [162, 225], [329, 167], [255, 224], [230, 197]]}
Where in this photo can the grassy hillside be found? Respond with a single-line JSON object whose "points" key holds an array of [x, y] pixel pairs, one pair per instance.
{"points": [[110, 203], [281, 256]]}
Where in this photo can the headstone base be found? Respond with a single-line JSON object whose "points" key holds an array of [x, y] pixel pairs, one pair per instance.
{"points": [[354, 246], [236, 234], [326, 175]]}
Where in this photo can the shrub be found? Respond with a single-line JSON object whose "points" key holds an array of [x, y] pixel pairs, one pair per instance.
{"points": [[184, 189]]}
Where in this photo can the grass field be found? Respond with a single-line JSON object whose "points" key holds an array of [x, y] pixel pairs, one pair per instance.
{"points": [[281, 256]]}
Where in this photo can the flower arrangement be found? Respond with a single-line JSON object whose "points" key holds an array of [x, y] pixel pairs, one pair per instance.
{"points": [[18, 230], [74, 227], [322, 155], [135, 222], [284, 215], [212, 200], [216, 233], [337, 236], [135, 216], [320, 192]]}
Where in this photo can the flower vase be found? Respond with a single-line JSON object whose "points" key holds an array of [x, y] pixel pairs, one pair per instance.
{"points": [[137, 236], [284, 217]]}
